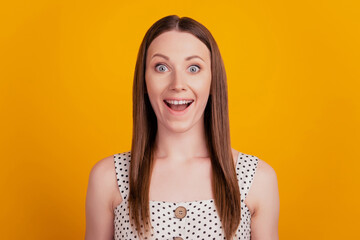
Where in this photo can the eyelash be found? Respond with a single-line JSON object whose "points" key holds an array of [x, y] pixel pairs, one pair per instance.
{"points": [[159, 64]]}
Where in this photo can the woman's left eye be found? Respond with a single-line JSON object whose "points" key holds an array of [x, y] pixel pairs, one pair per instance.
{"points": [[194, 68]]}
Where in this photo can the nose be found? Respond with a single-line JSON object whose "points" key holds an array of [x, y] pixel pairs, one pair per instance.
{"points": [[178, 81]]}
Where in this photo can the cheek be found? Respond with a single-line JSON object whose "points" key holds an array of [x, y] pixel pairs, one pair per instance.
{"points": [[154, 89], [202, 86], [156, 83], [203, 90]]}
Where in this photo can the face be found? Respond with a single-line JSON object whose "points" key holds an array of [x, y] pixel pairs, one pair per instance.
{"points": [[178, 78]]}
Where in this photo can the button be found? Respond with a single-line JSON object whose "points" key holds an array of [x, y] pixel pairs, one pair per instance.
{"points": [[180, 212], [178, 238]]}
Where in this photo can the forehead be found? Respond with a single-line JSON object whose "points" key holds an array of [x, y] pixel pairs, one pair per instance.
{"points": [[175, 44]]}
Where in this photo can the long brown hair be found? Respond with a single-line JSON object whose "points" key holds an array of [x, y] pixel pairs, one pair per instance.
{"points": [[216, 122]]}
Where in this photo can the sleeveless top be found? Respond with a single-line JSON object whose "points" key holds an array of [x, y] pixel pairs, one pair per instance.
{"points": [[183, 220]]}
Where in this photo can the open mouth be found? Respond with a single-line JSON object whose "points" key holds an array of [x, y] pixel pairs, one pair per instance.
{"points": [[178, 105]]}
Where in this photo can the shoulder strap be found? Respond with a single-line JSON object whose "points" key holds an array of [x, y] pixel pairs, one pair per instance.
{"points": [[122, 165], [245, 170]]}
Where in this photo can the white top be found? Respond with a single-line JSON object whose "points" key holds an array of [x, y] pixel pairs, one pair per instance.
{"points": [[201, 220]]}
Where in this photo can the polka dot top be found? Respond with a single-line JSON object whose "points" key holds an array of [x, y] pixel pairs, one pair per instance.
{"points": [[183, 220]]}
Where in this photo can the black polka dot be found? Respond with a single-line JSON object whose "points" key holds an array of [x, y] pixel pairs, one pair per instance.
{"points": [[202, 220]]}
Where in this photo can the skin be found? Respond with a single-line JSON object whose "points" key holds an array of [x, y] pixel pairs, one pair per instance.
{"points": [[182, 167]]}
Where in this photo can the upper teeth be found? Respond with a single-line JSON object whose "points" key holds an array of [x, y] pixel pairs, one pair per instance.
{"points": [[175, 102]]}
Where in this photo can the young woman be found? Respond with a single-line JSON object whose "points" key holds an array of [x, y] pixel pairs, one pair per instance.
{"points": [[181, 179]]}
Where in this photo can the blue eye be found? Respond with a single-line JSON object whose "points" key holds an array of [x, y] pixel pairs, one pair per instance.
{"points": [[193, 68], [161, 67]]}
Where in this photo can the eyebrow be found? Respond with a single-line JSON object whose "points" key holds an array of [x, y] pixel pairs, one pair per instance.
{"points": [[167, 58]]}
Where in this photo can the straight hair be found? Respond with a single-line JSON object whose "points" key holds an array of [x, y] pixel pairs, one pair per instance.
{"points": [[216, 122]]}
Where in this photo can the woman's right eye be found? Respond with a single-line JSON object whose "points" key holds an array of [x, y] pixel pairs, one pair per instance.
{"points": [[161, 67]]}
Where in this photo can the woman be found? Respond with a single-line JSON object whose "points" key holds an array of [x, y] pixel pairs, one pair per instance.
{"points": [[181, 179]]}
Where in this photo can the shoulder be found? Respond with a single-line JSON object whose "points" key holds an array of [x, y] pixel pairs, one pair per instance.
{"points": [[99, 199], [264, 191], [265, 180], [265, 172], [264, 203], [102, 180], [103, 169]]}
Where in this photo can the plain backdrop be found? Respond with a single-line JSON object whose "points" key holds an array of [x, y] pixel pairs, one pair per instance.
{"points": [[66, 72]]}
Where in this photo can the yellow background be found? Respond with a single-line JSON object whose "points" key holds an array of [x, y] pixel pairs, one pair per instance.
{"points": [[66, 74]]}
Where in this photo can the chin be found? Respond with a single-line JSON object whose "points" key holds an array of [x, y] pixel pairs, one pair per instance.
{"points": [[178, 128]]}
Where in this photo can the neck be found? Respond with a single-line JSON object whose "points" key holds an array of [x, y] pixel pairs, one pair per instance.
{"points": [[181, 146]]}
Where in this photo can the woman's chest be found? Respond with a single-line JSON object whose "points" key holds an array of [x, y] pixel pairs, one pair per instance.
{"points": [[181, 183]]}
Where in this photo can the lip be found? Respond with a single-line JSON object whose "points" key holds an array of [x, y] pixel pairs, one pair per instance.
{"points": [[178, 113]]}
